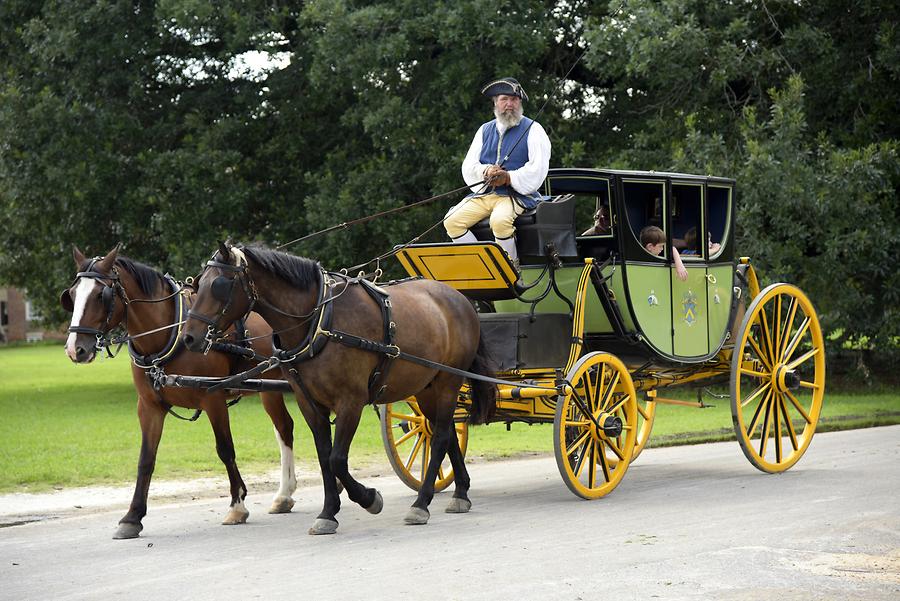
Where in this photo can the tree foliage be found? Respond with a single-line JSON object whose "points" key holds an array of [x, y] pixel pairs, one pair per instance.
{"points": [[142, 121]]}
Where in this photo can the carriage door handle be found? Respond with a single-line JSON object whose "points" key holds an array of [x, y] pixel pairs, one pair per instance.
{"points": [[710, 278]]}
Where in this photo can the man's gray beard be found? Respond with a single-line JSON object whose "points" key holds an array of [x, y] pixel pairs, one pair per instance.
{"points": [[508, 120]]}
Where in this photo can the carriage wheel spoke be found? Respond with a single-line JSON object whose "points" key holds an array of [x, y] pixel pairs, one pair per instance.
{"points": [[803, 358], [604, 463], [412, 432], [766, 335], [414, 452], [643, 411], [788, 325], [788, 424], [795, 340], [776, 419], [760, 389], [764, 437], [752, 427], [799, 407], [763, 358], [592, 465], [776, 328], [577, 442], [614, 448]]}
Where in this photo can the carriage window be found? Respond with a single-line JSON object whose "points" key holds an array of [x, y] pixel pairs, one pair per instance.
{"points": [[686, 213], [645, 207], [718, 211]]}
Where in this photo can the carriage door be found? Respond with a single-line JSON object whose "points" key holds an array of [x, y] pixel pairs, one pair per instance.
{"points": [[649, 276], [687, 222]]}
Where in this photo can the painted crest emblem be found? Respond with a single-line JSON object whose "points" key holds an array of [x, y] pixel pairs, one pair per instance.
{"points": [[689, 308], [652, 300]]}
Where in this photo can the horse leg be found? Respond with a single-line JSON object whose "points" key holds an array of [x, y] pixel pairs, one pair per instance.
{"points": [[460, 502], [317, 420], [442, 424], [345, 426], [218, 419], [151, 417], [284, 436]]}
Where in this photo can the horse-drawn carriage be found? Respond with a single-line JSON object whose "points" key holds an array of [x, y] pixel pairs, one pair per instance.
{"points": [[593, 327], [584, 334]]}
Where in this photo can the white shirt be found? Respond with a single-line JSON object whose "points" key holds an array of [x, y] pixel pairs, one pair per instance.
{"points": [[525, 180]]}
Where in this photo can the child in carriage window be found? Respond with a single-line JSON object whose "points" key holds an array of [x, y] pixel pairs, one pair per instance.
{"points": [[653, 240], [690, 240]]}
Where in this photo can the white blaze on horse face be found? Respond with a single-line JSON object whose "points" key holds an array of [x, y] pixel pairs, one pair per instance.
{"points": [[82, 292]]}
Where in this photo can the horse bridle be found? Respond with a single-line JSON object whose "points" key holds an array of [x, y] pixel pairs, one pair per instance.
{"points": [[222, 289], [108, 298]]}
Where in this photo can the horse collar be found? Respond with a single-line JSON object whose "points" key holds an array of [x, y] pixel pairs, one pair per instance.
{"points": [[174, 344]]}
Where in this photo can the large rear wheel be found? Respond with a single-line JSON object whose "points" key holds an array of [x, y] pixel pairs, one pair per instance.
{"points": [[777, 378], [407, 435], [595, 427]]}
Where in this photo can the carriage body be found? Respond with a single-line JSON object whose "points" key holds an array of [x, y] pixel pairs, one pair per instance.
{"points": [[595, 310]]}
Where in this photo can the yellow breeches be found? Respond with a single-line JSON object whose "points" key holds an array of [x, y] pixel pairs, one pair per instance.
{"points": [[503, 211]]}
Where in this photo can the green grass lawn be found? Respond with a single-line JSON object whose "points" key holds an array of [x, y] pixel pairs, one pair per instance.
{"points": [[74, 425]]}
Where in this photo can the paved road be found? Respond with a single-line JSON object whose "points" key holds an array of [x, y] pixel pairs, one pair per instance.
{"points": [[686, 523]]}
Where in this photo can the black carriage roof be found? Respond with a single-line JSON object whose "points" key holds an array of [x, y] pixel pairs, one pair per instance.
{"points": [[626, 173]]}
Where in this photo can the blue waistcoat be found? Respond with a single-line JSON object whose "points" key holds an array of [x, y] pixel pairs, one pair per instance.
{"points": [[494, 148]]}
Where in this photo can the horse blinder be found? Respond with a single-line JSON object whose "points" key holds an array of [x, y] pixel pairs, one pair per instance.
{"points": [[65, 299], [221, 288]]}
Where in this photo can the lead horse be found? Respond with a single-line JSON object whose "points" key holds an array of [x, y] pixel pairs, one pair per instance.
{"points": [[340, 342], [114, 289]]}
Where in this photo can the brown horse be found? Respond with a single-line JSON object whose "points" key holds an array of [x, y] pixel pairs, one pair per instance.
{"points": [[337, 337], [114, 289]]}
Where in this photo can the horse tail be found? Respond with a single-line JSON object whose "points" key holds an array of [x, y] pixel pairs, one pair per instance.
{"points": [[484, 394]]}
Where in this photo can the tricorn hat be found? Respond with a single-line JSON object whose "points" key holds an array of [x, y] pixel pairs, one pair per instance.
{"points": [[505, 85]]}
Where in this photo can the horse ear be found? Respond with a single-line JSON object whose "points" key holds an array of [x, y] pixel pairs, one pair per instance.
{"points": [[78, 256], [109, 260], [224, 251]]}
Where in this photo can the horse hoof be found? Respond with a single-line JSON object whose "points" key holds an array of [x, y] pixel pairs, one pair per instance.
{"points": [[126, 530], [236, 515], [377, 505], [282, 505], [459, 506], [416, 516], [323, 526]]}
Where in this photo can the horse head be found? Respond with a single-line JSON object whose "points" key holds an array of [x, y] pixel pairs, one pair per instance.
{"points": [[92, 301], [225, 293]]}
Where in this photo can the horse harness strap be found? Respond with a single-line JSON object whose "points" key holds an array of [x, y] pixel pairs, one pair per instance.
{"points": [[320, 332], [174, 344]]}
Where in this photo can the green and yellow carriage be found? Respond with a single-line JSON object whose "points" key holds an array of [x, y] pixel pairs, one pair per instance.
{"points": [[592, 329]]}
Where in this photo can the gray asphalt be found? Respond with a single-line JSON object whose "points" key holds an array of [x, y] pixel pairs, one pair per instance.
{"points": [[693, 522]]}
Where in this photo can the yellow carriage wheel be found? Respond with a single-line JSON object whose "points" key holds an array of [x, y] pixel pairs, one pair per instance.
{"points": [[595, 427], [777, 378], [407, 438]]}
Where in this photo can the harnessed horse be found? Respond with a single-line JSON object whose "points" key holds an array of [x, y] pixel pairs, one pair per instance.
{"points": [[112, 290], [338, 342]]}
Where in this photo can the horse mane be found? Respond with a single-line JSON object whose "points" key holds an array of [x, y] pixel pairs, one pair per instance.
{"points": [[147, 278], [300, 272]]}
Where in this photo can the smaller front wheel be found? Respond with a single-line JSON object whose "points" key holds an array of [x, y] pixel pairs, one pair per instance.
{"points": [[595, 427]]}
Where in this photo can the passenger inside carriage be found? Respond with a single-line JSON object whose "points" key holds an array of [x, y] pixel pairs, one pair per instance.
{"points": [[653, 240], [601, 222], [691, 247]]}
